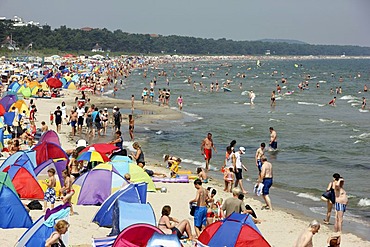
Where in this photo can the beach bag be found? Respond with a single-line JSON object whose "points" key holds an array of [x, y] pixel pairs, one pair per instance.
{"points": [[34, 205], [192, 209], [326, 196]]}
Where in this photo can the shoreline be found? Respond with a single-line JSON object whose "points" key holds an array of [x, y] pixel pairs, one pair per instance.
{"points": [[280, 222]]}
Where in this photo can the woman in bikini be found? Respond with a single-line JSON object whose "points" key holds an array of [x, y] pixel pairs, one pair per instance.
{"points": [[73, 166], [55, 238], [171, 225], [67, 190]]}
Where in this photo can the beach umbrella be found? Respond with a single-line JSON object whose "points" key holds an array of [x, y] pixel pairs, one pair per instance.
{"points": [[104, 148], [92, 155], [54, 83], [239, 229]]}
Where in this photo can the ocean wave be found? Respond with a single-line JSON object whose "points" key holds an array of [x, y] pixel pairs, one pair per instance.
{"points": [[353, 101], [309, 196], [355, 130], [324, 120], [159, 132], [355, 104], [276, 120], [360, 110], [289, 113], [108, 92], [194, 162], [348, 97], [146, 128], [362, 136], [364, 202], [309, 103], [358, 141]]}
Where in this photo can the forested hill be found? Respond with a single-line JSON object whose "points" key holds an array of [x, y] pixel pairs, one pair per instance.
{"points": [[66, 39]]}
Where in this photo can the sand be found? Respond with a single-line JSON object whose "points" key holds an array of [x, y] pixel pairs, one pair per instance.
{"points": [[279, 228]]}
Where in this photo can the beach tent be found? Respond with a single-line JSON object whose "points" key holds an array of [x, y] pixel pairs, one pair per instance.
{"points": [[26, 92], [163, 240], [14, 86], [33, 84], [131, 193], [21, 106], [48, 150], [24, 181], [8, 100], [9, 118], [13, 213], [50, 136], [136, 172], [239, 229], [64, 81], [2, 110], [126, 214], [136, 235], [27, 159], [44, 226], [54, 83], [59, 166], [95, 186], [120, 158]]}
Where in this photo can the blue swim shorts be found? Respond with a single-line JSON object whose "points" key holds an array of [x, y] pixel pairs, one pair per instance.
{"points": [[259, 164], [273, 145], [200, 216], [340, 207], [267, 183], [49, 195]]}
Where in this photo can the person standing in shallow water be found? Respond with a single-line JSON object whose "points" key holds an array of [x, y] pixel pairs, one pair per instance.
{"points": [[273, 138], [206, 149]]}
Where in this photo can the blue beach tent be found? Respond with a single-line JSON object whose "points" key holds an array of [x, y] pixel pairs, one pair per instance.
{"points": [[44, 226], [13, 213], [131, 193]]}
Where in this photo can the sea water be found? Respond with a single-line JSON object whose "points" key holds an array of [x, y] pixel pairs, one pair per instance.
{"points": [[315, 139]]}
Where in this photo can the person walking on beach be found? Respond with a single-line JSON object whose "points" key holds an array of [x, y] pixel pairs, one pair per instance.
{"points": [[266, 179], [80, 121], [58, 118], [200, 214], [341, 201], [305, 239], [238, 168], [273, 139], [73, 121], [117, 118], [131, 126], [331, 197], [259, 154], [206, 149]]}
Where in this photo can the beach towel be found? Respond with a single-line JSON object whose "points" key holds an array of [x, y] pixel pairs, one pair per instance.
{"points": [[258, 188], [103, 242]]}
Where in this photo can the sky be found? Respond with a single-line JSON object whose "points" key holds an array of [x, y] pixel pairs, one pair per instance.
{"points": [[330, 22]]}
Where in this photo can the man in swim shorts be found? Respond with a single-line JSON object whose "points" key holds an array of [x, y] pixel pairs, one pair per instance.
{"points": [[341, 201], [266, 179], [273, 138], [206, 149], [200, 214], [259, 155]]}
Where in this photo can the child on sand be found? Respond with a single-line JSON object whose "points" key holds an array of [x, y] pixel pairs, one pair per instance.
{"points": [[229, 179], [202, 175], [174, 168], [67, 190], [49, 195]]}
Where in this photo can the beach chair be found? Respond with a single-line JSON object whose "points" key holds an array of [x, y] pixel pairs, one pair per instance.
{"points": [[103, 242]]}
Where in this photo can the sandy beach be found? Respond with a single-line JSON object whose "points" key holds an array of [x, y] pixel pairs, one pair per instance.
{"points": [[280, 228]]}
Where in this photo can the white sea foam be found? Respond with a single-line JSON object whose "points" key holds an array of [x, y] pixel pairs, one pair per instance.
{"points": [[348, 97], [108, 92], [247, 103], [307, 103], [272, 119], [355, 130], [309, 196], [289, 113], [364, 202], [360, 110], [194, 162], [324, 120], [146, 128], [358, 141], [159, 132], [352, 101], [355, 104], [322, 81]]}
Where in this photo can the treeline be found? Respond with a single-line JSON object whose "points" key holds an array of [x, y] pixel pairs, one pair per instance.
{"points": [[76, 40]]}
